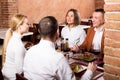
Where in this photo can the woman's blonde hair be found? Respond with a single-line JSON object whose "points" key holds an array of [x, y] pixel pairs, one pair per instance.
{"points": [[15, 22]]}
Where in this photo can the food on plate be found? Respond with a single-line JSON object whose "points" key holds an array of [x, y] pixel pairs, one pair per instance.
{"points": [[76, 67], [88, 56]]}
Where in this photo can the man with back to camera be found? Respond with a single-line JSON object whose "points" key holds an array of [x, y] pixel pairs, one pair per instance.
{"points": [[43, 62]]}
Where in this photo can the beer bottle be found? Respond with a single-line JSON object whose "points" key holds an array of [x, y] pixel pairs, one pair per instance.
{"points": [[62, 44], [66, 45]]}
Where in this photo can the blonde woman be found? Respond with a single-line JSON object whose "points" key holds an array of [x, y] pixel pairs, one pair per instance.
{"points": [[13, 48]]}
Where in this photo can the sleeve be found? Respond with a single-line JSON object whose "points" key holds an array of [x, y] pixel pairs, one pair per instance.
{"points": [[87, 75], [82, 37], [64, 71], [19, 57], [62, 32]]}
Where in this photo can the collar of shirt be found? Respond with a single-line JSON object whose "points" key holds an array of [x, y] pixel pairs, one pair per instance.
{"points": [[47, 43], [71, 27], [101, 28]]}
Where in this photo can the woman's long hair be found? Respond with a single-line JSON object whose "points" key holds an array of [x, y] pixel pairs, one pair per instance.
{"points": [[15, 22], [76, 17]]}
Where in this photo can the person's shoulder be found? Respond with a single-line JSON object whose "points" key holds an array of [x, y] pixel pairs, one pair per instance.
{"points": [[33, 48], [65, 27], [58, 55], [15, 43], [91, 28], [79, 26]]}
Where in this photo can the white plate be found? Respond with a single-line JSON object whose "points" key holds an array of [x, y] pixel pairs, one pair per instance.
{"points": [[77, 68]]}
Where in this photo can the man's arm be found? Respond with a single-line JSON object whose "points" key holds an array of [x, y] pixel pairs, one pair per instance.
{"points": [[89, 73]]}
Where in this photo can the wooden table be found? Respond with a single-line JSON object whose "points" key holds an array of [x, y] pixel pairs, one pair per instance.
{"points": [[99, 71]]}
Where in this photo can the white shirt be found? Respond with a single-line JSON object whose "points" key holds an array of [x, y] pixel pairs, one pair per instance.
{"points": [[97, 39], [43, 62], [75, 35], [14, 56], [87, 75]]}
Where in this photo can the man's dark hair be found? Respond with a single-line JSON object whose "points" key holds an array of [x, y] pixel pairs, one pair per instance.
{"points": [[48, 26], [100, 10]]}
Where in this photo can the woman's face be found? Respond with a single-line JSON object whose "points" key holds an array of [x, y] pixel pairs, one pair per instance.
{"points": [[70, 17], [25, 26]]}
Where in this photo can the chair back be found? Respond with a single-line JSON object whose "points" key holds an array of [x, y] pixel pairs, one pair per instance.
{"points": [[20, 77], [1, 76], [36, 34], [60, 29]]}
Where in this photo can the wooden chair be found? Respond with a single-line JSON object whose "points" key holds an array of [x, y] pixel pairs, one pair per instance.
{"points": [[1, 76], [60, 29], [20, 77], [36, 34], [35, 38]]}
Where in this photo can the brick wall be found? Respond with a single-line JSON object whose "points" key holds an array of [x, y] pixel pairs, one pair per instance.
{"points": [[112, 40], [7, 9], [99, 4], [0, 14]]}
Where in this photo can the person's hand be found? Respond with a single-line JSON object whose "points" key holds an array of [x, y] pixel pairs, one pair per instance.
{"points": [[92, 66], [64, 53], [75, 48]]}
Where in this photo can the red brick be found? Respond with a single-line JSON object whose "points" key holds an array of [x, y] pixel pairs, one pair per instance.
{"points": [[8, 8], [4, 0], [12, 9], [115, 61], [112, 70], [12, 0], [112, 1], [112, 25], [112, 7], [110, 77], [11, 4], [112, 51], [112, 34], [112, 16], [99, 4], [112, 43]]}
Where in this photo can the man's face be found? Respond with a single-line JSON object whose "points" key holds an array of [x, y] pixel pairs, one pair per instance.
{"points": [[97, 19]]}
